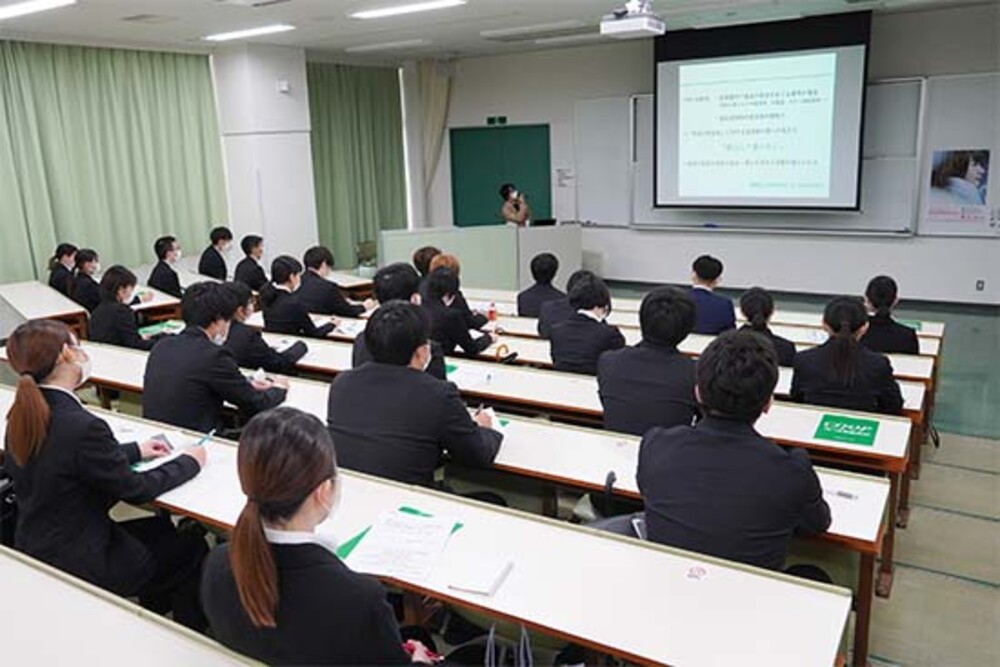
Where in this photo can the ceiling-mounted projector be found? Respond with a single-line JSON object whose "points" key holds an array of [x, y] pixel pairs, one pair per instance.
{"points": [[635, 20]]}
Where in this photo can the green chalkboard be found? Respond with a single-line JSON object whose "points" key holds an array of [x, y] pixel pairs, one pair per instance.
{"points": [[484, 158]]}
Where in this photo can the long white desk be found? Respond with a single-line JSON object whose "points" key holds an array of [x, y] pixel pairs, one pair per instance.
{"points": [[160, 306], [37, 301], [51, 618], [627, 311]]}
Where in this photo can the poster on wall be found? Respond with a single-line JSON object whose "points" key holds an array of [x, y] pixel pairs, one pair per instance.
{"points": [[958, 186]]}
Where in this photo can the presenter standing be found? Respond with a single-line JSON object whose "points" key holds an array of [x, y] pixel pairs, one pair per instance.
{"points": [[515, 210]]}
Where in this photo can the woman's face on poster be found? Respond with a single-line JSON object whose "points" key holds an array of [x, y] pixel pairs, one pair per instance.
{"points": [[974, 174]]}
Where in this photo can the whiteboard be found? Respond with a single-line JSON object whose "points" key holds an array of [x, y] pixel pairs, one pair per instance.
{"points": [[963, 112], [888, 187]]}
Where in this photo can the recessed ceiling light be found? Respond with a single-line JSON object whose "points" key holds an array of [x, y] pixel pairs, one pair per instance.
{"points": [[250, 32], [406, 9], [387, 46], [32, 6]]}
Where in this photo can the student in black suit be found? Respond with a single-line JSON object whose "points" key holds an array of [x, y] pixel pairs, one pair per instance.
{"points": [[397, 282], [841, 372], [715, 313], [283, 312], [422, 258], [449, 327], [553, 312], [248, 345], [69, 471], [277, 591], [322, 296], [473, 319], [61, 267], [113, 321], [213, 258], [391, 419], [651, 384], [718, 487], [82, 287], [885, 335], [578, 342], [163, 277], [190, 376], [758, 307], [249, 271], [543, 270]]}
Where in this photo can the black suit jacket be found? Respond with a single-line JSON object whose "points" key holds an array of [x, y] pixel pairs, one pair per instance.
{"points": [[321, 296], [65, 491], [529, 302], [59, 279], [783, 348], [874, 388], [251, 351], [360, 355], [720, 489], [85, 291], [164, 278], [713, 313], [250, 273], [212, 264], [645, 386], [288, 315], [326, 614], [887, 336], [450, 329], [396, 422], [553, 313], [114, 323], [473, 320], [189, 378], [578, 342]]}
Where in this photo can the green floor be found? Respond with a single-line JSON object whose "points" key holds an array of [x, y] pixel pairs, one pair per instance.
{"points": [[969, 394]]}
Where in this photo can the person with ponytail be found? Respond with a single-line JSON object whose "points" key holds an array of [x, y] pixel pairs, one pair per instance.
{"points": [[757, 307], [69, 471], [885, 335], [83, 288], [277, 591], [113, 321], [283, 312], [841, 372], [61, 267]]}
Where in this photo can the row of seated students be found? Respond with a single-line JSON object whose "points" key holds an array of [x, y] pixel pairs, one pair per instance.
{"points": [[734, 378], [267, 591]]}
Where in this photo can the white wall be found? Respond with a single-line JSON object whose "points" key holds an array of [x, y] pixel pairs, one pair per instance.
{"points": [[543, 87], [266, 144]]}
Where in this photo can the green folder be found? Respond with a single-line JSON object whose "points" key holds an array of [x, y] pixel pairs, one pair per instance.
{"points": [[849, 430], [345, 549], [913, 324]]}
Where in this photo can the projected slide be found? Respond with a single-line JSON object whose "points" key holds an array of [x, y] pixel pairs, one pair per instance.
{"points": [[757, 128]]}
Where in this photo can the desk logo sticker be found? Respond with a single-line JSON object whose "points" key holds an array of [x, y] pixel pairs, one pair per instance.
{"points": [[697, 573], [849, 430]]}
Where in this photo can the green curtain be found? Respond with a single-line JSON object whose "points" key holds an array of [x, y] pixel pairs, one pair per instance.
{"points": [[104, 148], [357, 147]]}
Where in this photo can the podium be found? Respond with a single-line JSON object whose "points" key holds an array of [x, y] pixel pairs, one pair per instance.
{"points": [[492, 257]]}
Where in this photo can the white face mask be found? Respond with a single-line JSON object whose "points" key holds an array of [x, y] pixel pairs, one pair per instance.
{"points": [[427, 361], [97, 268], [177, 257], [85, 370]]}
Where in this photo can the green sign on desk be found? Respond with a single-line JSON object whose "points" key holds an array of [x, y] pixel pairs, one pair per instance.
{"points": [[450, 368], [913, 324], [850, 430]]}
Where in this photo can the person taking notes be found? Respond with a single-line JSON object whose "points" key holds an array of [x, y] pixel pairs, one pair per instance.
{"points": [[113, 321], [449, 326], [720, 488], [884, 334], [757, 307], [283, 312], [390, 418], [69, 471], [189, 377], [318, 294], [248, 345], [559, 310]]}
